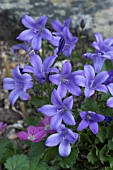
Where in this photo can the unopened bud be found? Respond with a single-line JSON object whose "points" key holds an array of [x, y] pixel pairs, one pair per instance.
{"points": [[82, 24]]}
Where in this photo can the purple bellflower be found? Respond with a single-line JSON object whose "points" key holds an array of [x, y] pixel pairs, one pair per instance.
{"points": [[90, 119], [36, 31], [18, 84], [64, 137], [92, 82], [65, 80], [34, 134], [59, 110], [39, 69], [103, 51]]}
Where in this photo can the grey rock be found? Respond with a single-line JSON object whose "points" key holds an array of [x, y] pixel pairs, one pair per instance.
{"points": [[96, 13]]}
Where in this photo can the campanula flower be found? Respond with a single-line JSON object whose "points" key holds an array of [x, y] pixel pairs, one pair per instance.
{"points": [[65, 81], [39, 69], [64, 137], [24, 47], [91, 82], [110, 100], [34, 134], [59, 110], [18, 84], [110, 78], [103, 51], [90, 119], [108, 119], [36, 31]]}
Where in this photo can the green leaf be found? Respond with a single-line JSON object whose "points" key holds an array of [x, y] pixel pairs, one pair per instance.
{"points": [[92, 157], [50, 154], [32, 121], [17, 162], [109, 131], [111, 162], [4, 144], [35, 164], [102, 134], [37, 149], [103, 154], [71, 159], [110, 144]]}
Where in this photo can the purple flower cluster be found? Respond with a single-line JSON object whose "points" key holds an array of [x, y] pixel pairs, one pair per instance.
{"points": [[66, 83], [103, 51]]}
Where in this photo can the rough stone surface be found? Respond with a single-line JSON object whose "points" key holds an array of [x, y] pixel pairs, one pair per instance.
{"points": [[97, 14]]}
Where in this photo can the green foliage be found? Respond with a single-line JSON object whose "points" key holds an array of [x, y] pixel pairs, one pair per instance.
{"points": [[103, 154], [17, 162], [4, 144], [92, 157], [32, 121], [102, 134], [70, 160]]}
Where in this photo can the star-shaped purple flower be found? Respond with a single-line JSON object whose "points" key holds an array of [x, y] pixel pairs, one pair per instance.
{"points": [[18, 84], [92, 82], [103, 51], [65, 80], [60, 110], [39, 69], [64, 137], [90, 119], [34, 134], [36, 31]]}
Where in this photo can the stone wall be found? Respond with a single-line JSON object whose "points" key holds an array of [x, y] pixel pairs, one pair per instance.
{"points": [[98, 14]]}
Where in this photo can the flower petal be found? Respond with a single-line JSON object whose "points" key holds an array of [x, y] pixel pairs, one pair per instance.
{"points": [[98, 62], [28, 22], [71, 137], [62, 90], [55, 79], [82, 125], [83, 114], [8, 83], [57, 25], [36, 61], [13, 96], [89, 72], [23, 135], [66, 68], [110, 102], [80, 80], [68, 102], [88, 92], [24, 95], [110, 87], [100, 78], [68, 118], [64, 148], [73, 89], [29, 69], [56, 99], [102, 88], [48, 62], [99, 117], [53, 140], [42, 20], [26, 35], [36, 42], [94, 127], [46, 34], [55, 121], [48, 110]]}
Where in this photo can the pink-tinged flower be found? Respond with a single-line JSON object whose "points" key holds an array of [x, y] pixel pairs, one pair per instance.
{"points": [[90, 119], [45, 124], [2, 125], [34, 134]]}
